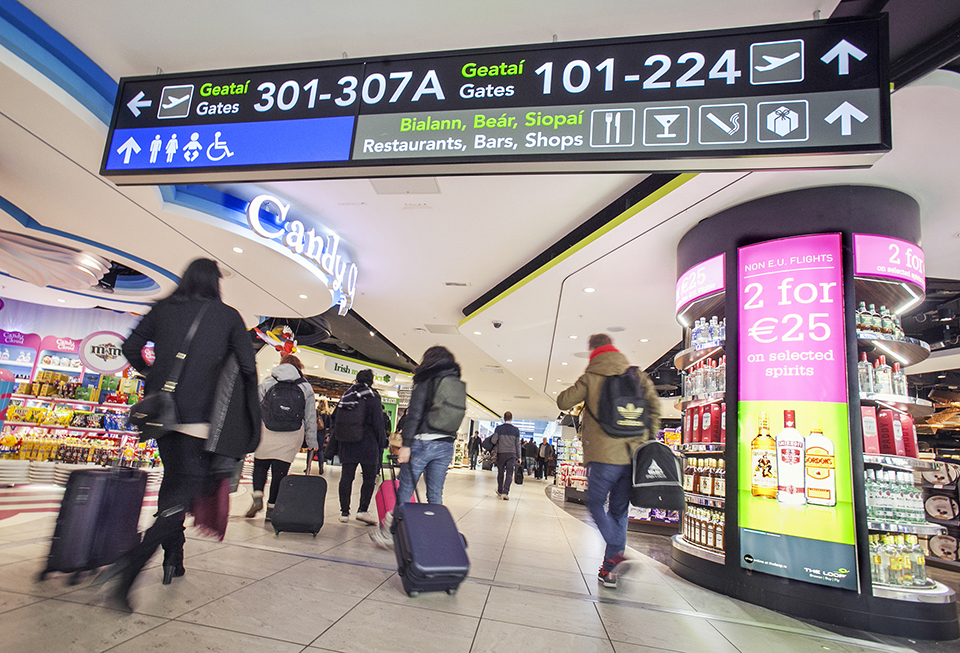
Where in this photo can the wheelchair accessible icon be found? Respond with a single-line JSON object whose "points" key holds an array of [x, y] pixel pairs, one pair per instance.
{"points": [[219, 147]]}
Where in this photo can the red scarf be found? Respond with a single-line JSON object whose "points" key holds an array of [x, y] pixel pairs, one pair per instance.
{"points": [[603, 349]]}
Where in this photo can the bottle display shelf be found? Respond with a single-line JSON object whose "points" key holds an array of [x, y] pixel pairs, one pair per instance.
{"points": [[699, 551], [702, 447], [702, 400], [908, 351], [916, 529], [939, 593], [898, 462], [704, 500], [910, 405], [694, 355]]}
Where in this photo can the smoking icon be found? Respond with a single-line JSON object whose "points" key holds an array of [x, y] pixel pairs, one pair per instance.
{"points": [[734, 121], [722, 124]]}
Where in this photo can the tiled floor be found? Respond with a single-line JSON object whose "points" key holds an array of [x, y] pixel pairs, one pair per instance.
{"points": [[532, 588]]}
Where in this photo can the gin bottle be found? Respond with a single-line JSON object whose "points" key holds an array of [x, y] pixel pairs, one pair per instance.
{"points": [[821, 479], [865, 374], [899, 381], [882, 377]]}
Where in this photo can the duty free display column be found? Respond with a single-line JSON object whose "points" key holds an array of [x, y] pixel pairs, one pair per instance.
{"points": [[784, 273]]}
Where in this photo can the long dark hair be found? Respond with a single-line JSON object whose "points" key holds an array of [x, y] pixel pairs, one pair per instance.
{"points": [[201, 280], [434, 355]]}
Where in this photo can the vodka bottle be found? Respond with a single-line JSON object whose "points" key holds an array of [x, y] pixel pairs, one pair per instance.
{"points": [[870, 489], [695, 333], [899, 381], [790, 462], [722, 374], [723, 330], [884, 497], [821, 479], [865, 374], [763, 455], [918, 562], [882, 377], [714, 329]]}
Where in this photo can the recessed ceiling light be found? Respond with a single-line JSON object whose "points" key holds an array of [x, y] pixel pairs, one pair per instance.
{"points": [[238, 250], [303, 296], [476, 333], [563, 363], [315, 366], [529, 378], [372, 334], [559, 381], [644, 339], [589, 290], [573, 337], [509, 360], [62, 301], [554, 392]]}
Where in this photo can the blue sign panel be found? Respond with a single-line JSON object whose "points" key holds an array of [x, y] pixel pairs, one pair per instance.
{"points": [[312, 140]]}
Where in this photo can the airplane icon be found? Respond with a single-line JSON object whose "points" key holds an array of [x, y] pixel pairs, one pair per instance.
{"points": [[174, 101], [775, 62]]}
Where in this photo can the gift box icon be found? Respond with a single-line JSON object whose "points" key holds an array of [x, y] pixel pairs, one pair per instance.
{"points": [[782, 121]]}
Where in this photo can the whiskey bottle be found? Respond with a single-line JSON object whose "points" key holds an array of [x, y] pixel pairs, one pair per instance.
{"points": [[720, 482], [886, 322], [821, 480], [718, 535], [874, 319], [790, 462], [688, 475], [863, 318], [763, 455], [707, 476]]}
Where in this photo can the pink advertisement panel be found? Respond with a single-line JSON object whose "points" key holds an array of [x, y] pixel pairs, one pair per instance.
{"points": [[791, 320], [702, 279], [882, 256]]}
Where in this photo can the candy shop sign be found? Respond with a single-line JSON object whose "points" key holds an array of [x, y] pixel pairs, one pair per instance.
{"points": [[101, 352], [330, 263]]}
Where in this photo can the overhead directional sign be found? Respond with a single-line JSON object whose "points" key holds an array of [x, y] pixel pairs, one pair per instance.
{"points": [[746, 98]]}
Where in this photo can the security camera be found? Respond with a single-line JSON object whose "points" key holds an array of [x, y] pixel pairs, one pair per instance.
{"points": [[496, 324]]}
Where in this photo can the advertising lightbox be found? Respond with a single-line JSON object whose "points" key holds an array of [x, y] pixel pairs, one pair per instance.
{"points": [[795, 485]]}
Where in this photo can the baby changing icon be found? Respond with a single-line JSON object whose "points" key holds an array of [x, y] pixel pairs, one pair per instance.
{"points": [[779, 122]]}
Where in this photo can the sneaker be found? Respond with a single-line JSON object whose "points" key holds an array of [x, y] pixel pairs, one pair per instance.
{"points": [[382, 538], [344, 519], [607, 578], [505, 497], [367, 518]]}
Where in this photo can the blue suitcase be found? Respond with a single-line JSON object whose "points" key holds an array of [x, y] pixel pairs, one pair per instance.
{"points": [[431, 552]]}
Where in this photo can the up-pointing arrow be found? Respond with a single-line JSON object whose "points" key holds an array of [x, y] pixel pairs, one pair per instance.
{"points": [[137, 102], [845, 112], [129, 146], [842, 51]]}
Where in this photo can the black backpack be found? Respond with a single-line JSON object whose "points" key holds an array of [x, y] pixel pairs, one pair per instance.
{"points": [[657, 477], [622, 410], [447, 405], [283, 406], [348, 418]]}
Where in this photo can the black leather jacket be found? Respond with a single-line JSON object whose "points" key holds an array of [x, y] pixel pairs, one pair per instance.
{"points": [[416, 421]]}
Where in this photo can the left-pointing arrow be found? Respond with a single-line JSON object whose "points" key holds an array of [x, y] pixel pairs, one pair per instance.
{"points": [[129, 146], [137, 103]]}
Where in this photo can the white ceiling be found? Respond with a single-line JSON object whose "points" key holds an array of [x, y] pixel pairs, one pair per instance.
{"points": [[474, 230]]}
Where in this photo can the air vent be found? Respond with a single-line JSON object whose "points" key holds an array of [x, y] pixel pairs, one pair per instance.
{"points": [[445, 329], [458, 284], [520, 397], [416, 207], [492, 369]]}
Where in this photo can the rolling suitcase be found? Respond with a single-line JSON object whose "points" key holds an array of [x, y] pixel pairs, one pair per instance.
{"points": [[299, 507], [386, 496], [98, 520], [431, 552]]}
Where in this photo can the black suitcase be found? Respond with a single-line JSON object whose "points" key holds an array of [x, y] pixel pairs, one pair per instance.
{"points": [[98, 520], [299, 507], [431, 552]]}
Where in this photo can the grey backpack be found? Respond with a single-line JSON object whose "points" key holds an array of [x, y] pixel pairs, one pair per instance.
{"points": [[448, 405]]}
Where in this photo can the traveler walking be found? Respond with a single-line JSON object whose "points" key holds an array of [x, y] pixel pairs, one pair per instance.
{"points": [[288, 409], [529, 456], [437, 406], [506, 440], [190, 458], [474, 449], [359, 439], [546, 457], [608, 459]]}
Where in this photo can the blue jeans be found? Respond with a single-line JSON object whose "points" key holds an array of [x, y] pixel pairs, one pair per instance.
{"points": [[429, 458], [612, 480]]}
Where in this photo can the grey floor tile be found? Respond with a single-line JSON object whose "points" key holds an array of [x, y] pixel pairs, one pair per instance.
{"points": [[623, 647], [364, 550], [13, 600], [496, 637], [546, 578], [485, 569], [22, 577], [543, 611], [469, 599], [751, 638], [543, 559], [662, 630], [194, 638], [271, 609], [150, 596], [413, 630], [68, 627], [333, 577], [243, 562], [17, 552]]}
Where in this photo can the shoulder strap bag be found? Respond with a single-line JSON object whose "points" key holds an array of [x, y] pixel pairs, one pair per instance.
{"points": [[156, 414]]}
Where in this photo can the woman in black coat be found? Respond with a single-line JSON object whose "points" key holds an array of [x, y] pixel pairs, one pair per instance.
{"points": [[186, 451]]}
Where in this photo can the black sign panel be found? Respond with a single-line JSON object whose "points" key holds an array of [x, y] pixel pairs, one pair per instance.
{"points": [[692, 100]]}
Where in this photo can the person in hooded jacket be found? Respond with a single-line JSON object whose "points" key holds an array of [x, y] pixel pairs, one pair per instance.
{"points": [[278, 448], [188, 451], [367, 452], [425, 452]]}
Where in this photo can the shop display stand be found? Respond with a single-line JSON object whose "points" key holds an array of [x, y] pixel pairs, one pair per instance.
{"points": [[916, 613]]}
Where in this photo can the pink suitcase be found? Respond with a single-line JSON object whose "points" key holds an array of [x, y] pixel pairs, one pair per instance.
{"points": [[387, 495]]}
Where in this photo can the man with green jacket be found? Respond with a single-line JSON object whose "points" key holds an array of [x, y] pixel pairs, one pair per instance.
{"points": [[608, 459]]}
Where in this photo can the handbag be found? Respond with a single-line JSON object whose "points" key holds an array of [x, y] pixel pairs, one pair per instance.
{"points": [[518, 475], [156, 413]]}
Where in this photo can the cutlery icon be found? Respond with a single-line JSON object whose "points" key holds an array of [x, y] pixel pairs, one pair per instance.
{"points": [[609, 119]]}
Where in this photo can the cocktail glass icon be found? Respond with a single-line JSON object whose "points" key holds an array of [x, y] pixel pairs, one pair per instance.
{"points": [[666, 120]]}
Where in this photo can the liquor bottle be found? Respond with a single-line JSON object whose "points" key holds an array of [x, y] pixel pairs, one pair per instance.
{"points": [[862, 317], [882, 377], [710, 531], [722, 374], [897, 328], [720, 482], [763, 455], [865, 374], [821, 486], [718, 535], [723, 330], [696, 475], [875, 560], [790, 462], [870, 490], [906, 573], [918, 562], [688, 475], [886, 322], [892, 561], [899, 381], [713, 330], [874, 319], [707, 477]]}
